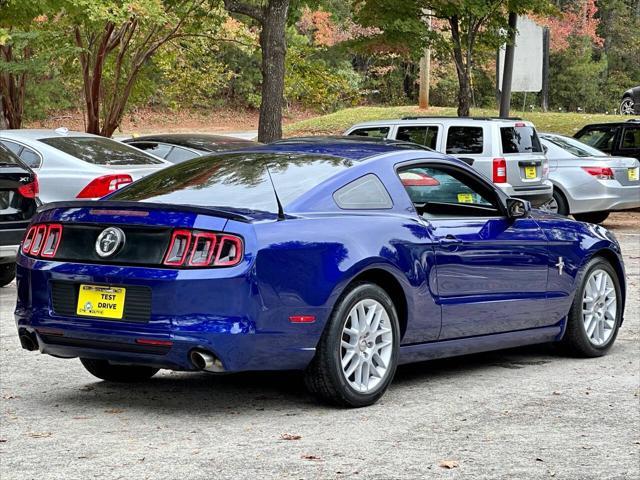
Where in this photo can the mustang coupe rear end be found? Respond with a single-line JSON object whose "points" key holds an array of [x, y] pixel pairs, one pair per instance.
{"points": [[340, 258]]}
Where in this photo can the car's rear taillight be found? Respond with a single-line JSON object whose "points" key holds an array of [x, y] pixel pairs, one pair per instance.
{"points": [[601, 173], [203, 249], [31, 189], [499, 170], [42, 240], [101, 186]]}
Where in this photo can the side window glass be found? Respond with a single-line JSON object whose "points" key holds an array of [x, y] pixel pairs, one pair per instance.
{"points": [[31, 158], [468, 140], [158, 149], [631, 138], [365, 193], [179, 154], [600, 138], [426, 135], [374, 132], [438, 191], [14, 147]]}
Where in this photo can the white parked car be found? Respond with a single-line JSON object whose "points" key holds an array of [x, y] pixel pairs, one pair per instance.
{"points": [[78, 165], [506, 151]]}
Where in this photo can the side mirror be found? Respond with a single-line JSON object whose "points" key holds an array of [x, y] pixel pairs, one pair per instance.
{"points": [[517, 208], [545, 149]]}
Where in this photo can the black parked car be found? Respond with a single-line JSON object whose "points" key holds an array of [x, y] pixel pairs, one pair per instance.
{"points": [[178, 147], [18, 203], [630, 104], [621, 139]]}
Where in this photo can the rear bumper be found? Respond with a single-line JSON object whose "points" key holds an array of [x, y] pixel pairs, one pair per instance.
{"points": [[602, 195], [8, 253], [219, 312], [537, 195]]}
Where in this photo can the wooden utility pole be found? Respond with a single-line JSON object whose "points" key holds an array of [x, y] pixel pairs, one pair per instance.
{"points": [[507, 72], [425, 70]]}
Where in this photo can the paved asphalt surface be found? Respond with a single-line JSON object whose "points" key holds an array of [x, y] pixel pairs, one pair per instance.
{"points": [[523, 413]]}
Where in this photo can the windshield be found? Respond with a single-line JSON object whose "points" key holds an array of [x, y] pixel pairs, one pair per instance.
{"points": [[575, 147], [238, 181], [101, 151], [520, 139]]}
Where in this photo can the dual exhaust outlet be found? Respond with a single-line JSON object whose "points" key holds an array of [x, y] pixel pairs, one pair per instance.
{"points": [[203, 360]]}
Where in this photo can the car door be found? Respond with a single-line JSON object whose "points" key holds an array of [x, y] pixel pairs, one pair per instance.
{"points": [[491, 270], [630, 141]]}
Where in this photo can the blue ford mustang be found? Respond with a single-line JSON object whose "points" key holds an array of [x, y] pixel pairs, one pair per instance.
{"points": [[339, 257]]}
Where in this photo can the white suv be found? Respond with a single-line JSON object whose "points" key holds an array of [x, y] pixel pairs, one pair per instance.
{"points": [[506, 151]]}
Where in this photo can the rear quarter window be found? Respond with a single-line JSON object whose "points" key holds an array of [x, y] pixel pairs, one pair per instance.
{"points": [[364, 193]]}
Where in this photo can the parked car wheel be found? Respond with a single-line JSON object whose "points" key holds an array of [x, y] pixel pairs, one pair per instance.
{"points": [[594, 318], [557, 204], [357, 355], [118, 373], [627, 106], [591, 217], [7, 273]]}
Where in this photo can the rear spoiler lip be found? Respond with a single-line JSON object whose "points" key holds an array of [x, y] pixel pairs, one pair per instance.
{"points": [[108, 204]]}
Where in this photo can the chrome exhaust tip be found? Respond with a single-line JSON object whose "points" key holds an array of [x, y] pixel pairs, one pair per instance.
{"points": [[206, 361]]}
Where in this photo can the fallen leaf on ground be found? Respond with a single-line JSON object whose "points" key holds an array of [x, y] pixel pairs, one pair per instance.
{"points": [[290, 436], [39, 434], [448, 464], [311, 457]]}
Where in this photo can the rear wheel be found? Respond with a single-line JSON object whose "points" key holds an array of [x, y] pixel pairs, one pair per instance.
{"points": [[118, 373], [596, 312], [7, 273], [591, 217], [357, 355], [627, 106], [557, 204]]}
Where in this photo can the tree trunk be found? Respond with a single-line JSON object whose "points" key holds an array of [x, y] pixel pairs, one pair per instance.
{"points": [[274, 49], [462, 69], [12, 91]]}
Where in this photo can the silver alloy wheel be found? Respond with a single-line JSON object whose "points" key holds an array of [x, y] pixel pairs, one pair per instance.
{"points": [[366, 345], [599, 307], [626, 107], [550, 206]]}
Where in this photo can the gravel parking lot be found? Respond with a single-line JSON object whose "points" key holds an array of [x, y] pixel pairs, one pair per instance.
{"points": [[522, 413]]}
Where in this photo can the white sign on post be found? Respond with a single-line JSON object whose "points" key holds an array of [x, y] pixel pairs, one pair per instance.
{"points": [[528, 58]]}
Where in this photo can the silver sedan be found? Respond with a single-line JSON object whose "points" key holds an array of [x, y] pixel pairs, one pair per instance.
{"points": [[588, 183], [73, 165]]}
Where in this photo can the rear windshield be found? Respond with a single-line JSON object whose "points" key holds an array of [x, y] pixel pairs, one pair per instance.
{"points": [[575, 147], [101, 151], [7, 157], [239, 181], [520, 140]]}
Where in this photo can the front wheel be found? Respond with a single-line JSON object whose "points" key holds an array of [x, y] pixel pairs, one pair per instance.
{"points": [[118, 373], [591, 217], [357, 355], [596, 312], [627, 106]]}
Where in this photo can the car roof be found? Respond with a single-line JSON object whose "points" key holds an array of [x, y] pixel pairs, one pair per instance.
{"points": [[350, 147], [418, 120], [620, 123], [37, 134], [199, 141]]}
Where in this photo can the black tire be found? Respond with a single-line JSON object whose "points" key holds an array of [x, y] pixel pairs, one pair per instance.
{"points": [[591, 217], [118, 373], [561, 201], [626, 106], [324, 377], [7, 273], [575, 340]]}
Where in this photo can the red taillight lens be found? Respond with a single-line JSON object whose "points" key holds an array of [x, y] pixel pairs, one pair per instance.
{"points": [[499, 170], [229, 251], [203, 249], [30, 190], [42, 240], [101, 186], [52, 240], [178, 248], [38, 240], [28, 239], [602, 173]]}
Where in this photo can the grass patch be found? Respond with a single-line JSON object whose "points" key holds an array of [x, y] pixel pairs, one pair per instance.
{"points": [[336, 123]]}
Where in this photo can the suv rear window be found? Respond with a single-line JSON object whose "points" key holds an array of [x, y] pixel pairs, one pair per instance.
{"points": [[101, 151], [520, 140], [467, 140], [239, 181]]}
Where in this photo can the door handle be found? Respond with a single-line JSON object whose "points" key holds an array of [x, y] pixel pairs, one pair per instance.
{"points": [[450, 241]]}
